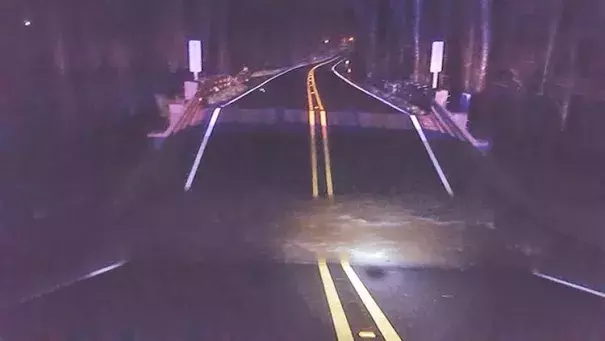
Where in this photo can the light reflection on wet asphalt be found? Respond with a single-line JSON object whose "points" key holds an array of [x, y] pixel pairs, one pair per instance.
{"points": [[241, 255]]}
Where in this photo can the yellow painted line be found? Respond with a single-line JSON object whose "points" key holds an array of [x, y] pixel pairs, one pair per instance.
{"points": [[324, 132], [319, 101], [382, 322], [313, 149], [309, 98], [312, 89], [339, 319], [312, 145]]}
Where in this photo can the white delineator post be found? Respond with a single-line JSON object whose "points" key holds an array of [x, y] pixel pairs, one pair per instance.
{"points": [[436, 61], [195, 66], [195, 58]]}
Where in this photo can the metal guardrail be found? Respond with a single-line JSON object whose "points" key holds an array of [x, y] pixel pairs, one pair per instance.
{"points": [[191, 107], [460, 132], [446, 119]]}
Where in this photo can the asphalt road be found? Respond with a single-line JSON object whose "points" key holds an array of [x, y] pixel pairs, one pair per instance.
{"points": [[258, 248], [260, 301], [373, 160]]}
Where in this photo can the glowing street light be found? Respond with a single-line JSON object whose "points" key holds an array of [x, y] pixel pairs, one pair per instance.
{"points": [[351, 39], [27, 23], [326, 41], [347, 62]]}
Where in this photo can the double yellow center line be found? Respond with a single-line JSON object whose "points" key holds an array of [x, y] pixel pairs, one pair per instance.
{"points": [[343, 329], [316, 106], [339, 318]]}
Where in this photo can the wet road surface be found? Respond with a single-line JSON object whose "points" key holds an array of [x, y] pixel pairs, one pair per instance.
{"points": [[260, 301], [240, 254]]}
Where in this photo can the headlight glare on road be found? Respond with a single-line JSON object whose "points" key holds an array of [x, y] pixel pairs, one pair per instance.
{"points": [[367, 255]]}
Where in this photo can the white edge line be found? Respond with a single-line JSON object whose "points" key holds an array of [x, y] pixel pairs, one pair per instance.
{"points": [[569, 284], [366, 91], [432, 156], [103, 270], [327, 61], [417, 126], [200, 151], [72, 282]]}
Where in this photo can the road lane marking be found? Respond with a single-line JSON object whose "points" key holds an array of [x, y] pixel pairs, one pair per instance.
{"points": [[313, 93], [429, 150], [317, 96], [569, 284], [382, 322], [309, 92], [417, 127], [200, 151], [214, 118], [262, 84], [312, 142], [313, 149], [103, 270], [339, 318], [364, 90], [324, 133], [314, 84], [72, 282]]}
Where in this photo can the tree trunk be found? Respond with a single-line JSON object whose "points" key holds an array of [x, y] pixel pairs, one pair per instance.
{"points": [[467, 55], [571, 81], [485, 26], [398, 8], [416, 39], [553, 30]]}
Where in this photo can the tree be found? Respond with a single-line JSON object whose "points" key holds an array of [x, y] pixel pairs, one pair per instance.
{"points": [[417, 8], [485, 27]]}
